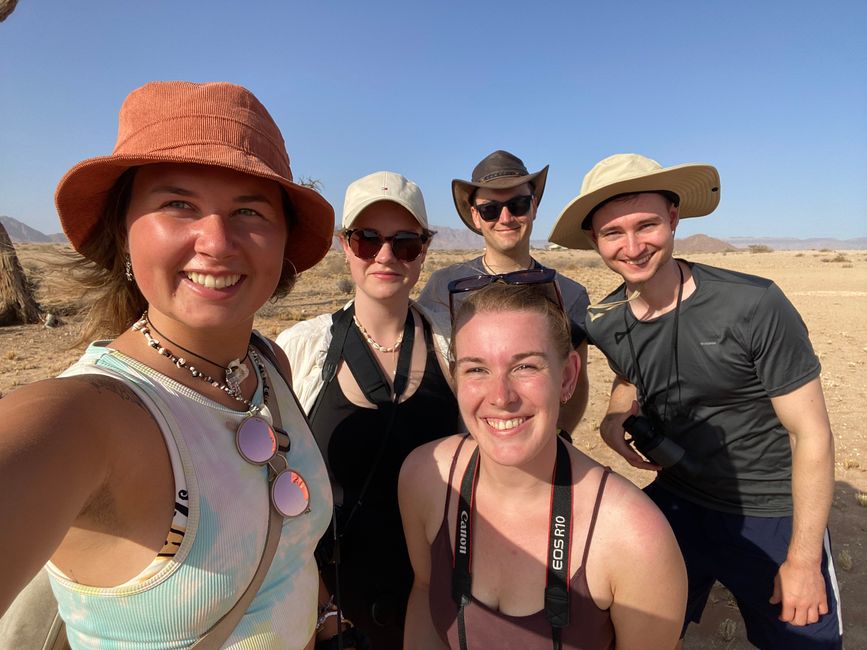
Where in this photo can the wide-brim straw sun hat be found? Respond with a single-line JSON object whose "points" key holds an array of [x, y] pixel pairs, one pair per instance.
{"points": [[217, 124], [696, 185], [383, 186], [500, 170]]}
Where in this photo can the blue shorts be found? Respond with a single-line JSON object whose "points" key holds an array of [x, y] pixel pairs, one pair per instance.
{"points": [[744, 554]]}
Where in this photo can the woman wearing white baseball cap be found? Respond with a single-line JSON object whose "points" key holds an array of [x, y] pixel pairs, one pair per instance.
{"points": [[375, 388]]}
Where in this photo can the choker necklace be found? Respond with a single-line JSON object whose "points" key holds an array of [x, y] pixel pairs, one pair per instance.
{"points": [[236, 371], [374, 344], [491, 271]]}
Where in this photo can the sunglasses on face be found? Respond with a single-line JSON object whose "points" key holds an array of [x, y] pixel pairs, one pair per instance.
{"points": [[365, 243], [258, 443], [541, 276], [518, 206]]}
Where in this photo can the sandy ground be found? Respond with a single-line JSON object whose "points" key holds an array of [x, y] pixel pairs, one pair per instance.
{"points": [[829, 288]]}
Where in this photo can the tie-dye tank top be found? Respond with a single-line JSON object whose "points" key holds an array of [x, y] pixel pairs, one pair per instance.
{"points": [[226, 499]]}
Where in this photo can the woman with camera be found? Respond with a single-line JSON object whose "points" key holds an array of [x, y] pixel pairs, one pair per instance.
{"points": [[516, 538], [375, 388]]}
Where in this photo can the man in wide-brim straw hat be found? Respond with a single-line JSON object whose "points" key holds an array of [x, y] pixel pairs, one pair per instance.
{"points": [[500, 203], [720, 366]]}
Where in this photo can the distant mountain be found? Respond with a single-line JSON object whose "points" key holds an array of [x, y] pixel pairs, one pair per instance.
{"points": [[450, 239], [701, 244], [21, 232], [793, 244], [464, 239]]}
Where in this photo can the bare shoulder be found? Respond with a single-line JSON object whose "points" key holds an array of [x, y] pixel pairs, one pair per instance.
{"points": [[76, 402], [431, 460], [629, 522], [426, 468]]}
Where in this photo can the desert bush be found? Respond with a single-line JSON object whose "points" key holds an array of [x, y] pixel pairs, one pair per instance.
{"points": [[345, 285], [839, 257], [760, 248]]}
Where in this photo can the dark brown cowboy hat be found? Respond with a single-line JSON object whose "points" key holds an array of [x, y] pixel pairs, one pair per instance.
{"points": [[500, 171]]}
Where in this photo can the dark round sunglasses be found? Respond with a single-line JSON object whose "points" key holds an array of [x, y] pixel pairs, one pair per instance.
{"points": [[406, 246], [518, 206]]}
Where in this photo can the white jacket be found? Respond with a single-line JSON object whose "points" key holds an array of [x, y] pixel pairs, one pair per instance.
{"points": [[306, 344]]}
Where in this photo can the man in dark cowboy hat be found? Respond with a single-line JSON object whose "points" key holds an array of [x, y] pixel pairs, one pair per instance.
{"points": [[500, 203], [731, 415]]}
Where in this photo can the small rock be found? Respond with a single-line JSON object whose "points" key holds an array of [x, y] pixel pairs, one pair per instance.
{"points": [[844, 559], [51, 320], [727, 629], [861, 498]]}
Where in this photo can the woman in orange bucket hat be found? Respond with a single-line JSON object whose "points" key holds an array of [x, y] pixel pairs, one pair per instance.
{"points": [[168, 478]]}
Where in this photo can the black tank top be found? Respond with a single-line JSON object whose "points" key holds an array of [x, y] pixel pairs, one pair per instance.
{"points": [[373, 553]]}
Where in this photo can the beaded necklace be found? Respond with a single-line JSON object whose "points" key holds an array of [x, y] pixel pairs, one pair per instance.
{"points": [[235, 371], [374, 344], [232, 389]]}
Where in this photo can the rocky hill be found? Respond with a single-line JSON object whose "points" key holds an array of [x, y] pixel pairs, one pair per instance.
{"points": [[21, 232], [701, 244]]}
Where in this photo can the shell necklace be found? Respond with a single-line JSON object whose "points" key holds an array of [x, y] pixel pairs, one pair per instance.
{"points": [[374, 344], [235, 371]]}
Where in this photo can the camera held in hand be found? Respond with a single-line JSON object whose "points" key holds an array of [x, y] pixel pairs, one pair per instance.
{"points": [[657, 447]]}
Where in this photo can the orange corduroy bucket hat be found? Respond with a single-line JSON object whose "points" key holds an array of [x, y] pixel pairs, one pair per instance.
{"points": [[217, 124]]}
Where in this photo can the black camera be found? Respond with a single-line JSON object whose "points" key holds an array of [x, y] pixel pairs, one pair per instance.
{"points": [[658, 447]]}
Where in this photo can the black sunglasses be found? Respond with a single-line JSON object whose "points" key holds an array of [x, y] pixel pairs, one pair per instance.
{"points": [[406, 246], [541, 276], [518, 206]]}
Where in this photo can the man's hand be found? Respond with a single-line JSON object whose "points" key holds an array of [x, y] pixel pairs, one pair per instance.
{"points": [[801, 590], [612, 432]]}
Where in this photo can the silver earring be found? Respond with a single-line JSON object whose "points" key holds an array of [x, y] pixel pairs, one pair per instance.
{"points": [[127, 269]]}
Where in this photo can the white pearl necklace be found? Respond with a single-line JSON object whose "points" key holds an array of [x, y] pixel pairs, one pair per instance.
{"points": [[374, 344]]}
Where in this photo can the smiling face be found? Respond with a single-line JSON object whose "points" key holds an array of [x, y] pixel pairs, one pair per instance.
{"points": [[206, 244], [511, 378], [384, 277], [509, 232], [635, 236]]}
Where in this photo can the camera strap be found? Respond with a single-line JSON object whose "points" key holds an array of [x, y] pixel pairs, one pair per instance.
{"points": [[347, 343], [557, 597], [672, 360]]}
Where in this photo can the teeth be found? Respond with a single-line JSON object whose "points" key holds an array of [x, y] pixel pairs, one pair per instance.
{"points": [[214, 281], [502, 425], [640, 260]]}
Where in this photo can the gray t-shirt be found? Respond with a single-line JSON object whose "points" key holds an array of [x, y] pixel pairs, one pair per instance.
{"points": [[739, 343], [435, 295]]}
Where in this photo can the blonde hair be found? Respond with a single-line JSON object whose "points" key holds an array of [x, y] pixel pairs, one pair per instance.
{"points": [[499, 297]]}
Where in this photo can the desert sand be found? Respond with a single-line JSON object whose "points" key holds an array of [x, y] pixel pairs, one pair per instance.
{"points": [[829, 288]]}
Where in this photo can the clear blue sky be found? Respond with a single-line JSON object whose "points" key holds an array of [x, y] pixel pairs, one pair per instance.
{"points": [[773, 93]]}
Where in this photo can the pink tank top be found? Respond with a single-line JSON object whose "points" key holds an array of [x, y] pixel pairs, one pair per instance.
{"points": [[589, 627]]}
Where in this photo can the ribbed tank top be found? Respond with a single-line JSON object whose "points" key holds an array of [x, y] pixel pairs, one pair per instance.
{"points": [[225, 535], [590, 628]]}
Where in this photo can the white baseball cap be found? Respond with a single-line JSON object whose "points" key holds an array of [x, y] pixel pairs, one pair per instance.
{"points": [[383, 186]]}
